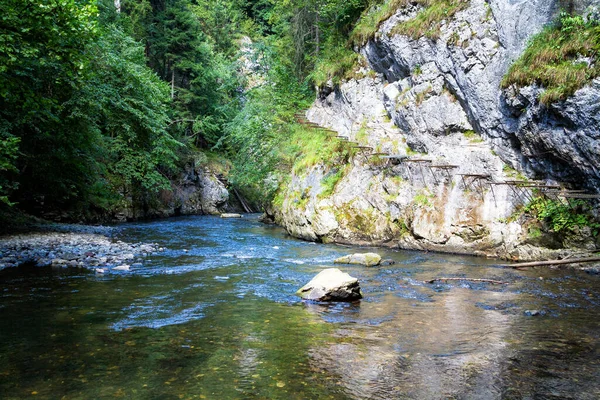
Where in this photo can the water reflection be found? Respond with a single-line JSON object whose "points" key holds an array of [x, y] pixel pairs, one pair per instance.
{"points": [[215, 316]]}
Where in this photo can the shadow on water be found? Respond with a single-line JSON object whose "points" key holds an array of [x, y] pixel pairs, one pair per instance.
{"points": [[214, 316]]}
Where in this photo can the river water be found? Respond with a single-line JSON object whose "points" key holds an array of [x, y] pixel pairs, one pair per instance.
{"points": [[214, 316]]}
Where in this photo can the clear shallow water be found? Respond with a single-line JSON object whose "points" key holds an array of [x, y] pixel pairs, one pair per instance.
{"points": [[221, 321]]}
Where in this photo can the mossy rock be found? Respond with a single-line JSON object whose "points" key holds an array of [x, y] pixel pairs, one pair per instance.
{"points": [[367, 259]]}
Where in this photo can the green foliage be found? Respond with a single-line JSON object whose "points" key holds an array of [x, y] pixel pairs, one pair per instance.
{"points": [[372, 18], [88, 117], [330, 180], [473, 136], [562, 217], [336, 64], [555, 59], [428, 21]]}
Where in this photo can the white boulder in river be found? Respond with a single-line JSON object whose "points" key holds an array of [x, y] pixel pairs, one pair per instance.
{"points": [[331, 285], [368, 259], [231, 215]]}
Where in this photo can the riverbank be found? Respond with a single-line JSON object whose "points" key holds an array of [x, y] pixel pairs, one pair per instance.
{"points": [[76, 246]]}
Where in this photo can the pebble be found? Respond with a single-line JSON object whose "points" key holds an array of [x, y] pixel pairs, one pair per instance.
{"points": [[74, 246]]}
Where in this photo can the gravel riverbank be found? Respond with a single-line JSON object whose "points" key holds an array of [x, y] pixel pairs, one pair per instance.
{"points": [[76, 246]]}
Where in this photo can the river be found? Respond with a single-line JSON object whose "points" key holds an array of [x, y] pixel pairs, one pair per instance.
{"points": [[214, 316]]}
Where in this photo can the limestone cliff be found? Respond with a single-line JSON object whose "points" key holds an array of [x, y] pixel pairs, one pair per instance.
{"points": [[438, 105], [197, 190]]}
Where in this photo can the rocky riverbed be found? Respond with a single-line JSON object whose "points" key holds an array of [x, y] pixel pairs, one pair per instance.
{"points": [[76, 246]]}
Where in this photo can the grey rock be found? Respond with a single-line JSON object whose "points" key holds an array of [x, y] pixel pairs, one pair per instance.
{"points": [[331, 285], [442, 99], [366, 259], [532, 313], [231, 215]]}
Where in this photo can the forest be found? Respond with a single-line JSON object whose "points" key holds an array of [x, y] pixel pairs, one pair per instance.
{"points": [[104, 101]]}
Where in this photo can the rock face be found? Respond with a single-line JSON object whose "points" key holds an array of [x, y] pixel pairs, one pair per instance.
{"points": [[331, 285], [460, 86], [197, 191], [439, 104], [366, 259]]}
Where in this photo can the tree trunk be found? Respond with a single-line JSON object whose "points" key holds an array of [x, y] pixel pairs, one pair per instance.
{"points": [[552, 262], [173, 84], [468, 279]]}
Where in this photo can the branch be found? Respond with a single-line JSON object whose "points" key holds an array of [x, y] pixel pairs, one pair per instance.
{"points": [[552, 262], [468, 279]]}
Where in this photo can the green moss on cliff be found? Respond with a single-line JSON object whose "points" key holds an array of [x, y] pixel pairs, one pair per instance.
{"points": [[562, 59], [361, 221], [329, 181], [428, 22]]}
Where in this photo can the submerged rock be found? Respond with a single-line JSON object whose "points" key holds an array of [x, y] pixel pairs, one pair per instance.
{"points": [[231, 215], [368, 259], [331, 285]]}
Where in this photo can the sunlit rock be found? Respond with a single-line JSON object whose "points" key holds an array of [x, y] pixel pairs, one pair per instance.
{"points": [[123, 267], [331, 285], [231, 215], [367, 259]]}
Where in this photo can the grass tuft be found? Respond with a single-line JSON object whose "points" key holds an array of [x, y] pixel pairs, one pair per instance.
{"points": [[557, 59], [428, 21]]}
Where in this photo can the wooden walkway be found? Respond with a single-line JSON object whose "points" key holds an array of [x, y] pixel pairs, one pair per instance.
{"points": [[523, 190]]}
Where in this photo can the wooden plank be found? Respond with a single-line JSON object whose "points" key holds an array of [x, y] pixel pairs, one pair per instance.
{"points": [[581, 196], [379, 154], [417, 160]]}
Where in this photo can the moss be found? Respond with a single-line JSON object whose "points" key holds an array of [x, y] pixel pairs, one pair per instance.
{"points": [[534, 232], [362, 134], [362, 222], [512, 173], [473, 136], [329, 181], [553, 59], [423, 198]]}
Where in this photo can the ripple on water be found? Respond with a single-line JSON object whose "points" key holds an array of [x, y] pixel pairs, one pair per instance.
{"points": [[221, 320]]}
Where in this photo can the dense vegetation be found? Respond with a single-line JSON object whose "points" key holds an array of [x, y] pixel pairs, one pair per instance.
{"points": [[87, 124], [103, 103], [561, 59]]}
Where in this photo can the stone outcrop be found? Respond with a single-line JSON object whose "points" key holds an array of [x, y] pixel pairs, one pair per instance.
{"points": [[231, 215], [366, 259], [331, 285], [196, 191], [438, 103]]}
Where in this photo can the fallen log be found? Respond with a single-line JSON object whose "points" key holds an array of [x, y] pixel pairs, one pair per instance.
{"points": [[468, 279], [552, 262]]}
